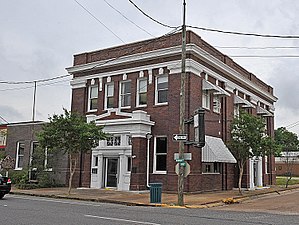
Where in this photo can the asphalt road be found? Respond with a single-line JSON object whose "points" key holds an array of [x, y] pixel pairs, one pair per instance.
{"points": [[26, 210], [285, 203]]}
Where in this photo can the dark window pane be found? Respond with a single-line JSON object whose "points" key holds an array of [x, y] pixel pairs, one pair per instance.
{"points": [[142, 99], [110, 102], [161, 146], [93, 104], [161, 162], [162, 96]]}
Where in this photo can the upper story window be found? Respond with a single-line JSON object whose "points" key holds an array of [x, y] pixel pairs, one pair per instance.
{"points": [[216, 104], [206, 99], [93, 98], [109, 96], [20, 155], [161, 89], [125, 94], [160, 155], [141, 92]]}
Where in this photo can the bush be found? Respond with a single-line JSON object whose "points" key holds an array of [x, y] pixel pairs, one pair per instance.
{"points": [[19, 177]]}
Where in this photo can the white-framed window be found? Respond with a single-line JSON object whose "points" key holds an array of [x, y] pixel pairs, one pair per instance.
{"points": [[125, 94], [20, 155], [213, 167], [161, 95], [236, 110], [114, 140], [141, 92], [206, 99], [95, 164], [93, 93], [160, 155], [48, 160], [216, 104], [109, 95]]}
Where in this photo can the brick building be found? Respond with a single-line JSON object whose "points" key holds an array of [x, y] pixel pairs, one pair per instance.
{"points": [[22, 141], [133, 91]]}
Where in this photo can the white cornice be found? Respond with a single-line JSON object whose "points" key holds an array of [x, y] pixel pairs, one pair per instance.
{"points": [[174, 66]]}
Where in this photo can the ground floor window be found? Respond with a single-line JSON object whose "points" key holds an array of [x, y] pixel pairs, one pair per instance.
{"points": [[213, 167], [160, 160]]}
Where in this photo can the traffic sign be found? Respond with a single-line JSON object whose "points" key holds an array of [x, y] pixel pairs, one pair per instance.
{"points": [[179, 137], [186, 170]]}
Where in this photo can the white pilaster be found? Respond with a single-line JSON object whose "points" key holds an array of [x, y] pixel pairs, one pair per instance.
{"points": [[259, 180], [251, 174]]}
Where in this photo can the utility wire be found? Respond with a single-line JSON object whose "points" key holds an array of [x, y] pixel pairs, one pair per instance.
{"points": [[111, 6], [38, 81], [246, 34], [148, 16], [257, 48], [1, 117], [99, 21]]}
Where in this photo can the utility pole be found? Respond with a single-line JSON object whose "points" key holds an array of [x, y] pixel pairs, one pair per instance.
{"points": [[34, 98], [182, 112]]}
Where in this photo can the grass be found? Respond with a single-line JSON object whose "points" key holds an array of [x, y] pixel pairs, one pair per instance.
{"points": [[283, 180]]}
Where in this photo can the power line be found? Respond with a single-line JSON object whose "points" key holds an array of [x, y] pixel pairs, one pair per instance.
{"points": [[257, 48], [245, 34], [1, 117], [148, 16], [38, 81], [99, 21], [128, 18]]}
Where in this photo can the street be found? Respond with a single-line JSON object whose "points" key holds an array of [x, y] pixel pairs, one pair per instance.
{"points": [[285, 203], [27, 210]]}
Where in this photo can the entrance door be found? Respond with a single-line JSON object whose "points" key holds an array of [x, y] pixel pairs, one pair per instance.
{"points": [[111, 172]]}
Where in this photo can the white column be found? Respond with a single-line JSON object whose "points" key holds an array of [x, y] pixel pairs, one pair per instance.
{"points": [[251, 174], [121, 171], [259, 172]]}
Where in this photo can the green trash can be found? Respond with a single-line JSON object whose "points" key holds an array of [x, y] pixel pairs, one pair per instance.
{"points": [[156, 193]]}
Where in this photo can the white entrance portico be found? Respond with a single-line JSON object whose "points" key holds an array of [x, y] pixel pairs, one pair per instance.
{"points": [[111, 160]]}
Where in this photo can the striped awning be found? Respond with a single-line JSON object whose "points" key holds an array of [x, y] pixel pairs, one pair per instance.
{"points": [[206, 85], [216, 151]]}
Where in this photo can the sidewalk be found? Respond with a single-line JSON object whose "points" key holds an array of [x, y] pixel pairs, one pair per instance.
{"points": [[200, 200]]}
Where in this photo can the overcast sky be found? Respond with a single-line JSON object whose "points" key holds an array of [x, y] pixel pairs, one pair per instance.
{"points": [[38, 39]]}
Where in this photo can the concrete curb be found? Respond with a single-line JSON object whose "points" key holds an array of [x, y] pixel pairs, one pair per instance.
{"points": [[233, 200]]}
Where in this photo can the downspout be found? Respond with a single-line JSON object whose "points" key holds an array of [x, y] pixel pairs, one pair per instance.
{"points": [[148, 137]]}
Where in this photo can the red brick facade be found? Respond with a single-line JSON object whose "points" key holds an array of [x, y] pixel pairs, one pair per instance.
{"points": [[149, 58]]}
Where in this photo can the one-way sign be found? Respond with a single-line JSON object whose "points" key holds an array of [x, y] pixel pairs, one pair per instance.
{"points": [[179, 137]]}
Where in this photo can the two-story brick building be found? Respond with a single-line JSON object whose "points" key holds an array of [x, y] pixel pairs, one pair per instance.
{"points": [[133, 91]]}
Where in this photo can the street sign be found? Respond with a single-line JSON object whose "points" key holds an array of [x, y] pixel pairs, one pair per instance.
{"points": [[186, 170], [179, 137], [187, 156]]}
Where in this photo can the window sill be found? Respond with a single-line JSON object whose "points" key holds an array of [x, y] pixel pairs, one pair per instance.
{"points": [[211, 173], [91, 111], [160, 172], [161, 104], [18, 169], [141, 106]]}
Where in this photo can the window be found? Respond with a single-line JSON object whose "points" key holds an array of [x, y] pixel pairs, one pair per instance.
{"points": [[20, 155], [129, 139], [216, 104], [129, 165], [109, 96], [113, 141], [93, 98], [206, 99], [48, 160], [125, 94], [161, 89], [142, 92], [160, 161], [211, 167]]}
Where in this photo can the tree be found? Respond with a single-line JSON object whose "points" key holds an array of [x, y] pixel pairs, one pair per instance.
{"points": [[288, 141], [247, 140], [70, 134]]}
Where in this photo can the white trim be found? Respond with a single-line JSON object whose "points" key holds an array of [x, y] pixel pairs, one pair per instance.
{"points": [[18, 154], [89, 98], [106, 95], [155, 171], [120, 95], [138, 91], [156, 89], [175, 66]]}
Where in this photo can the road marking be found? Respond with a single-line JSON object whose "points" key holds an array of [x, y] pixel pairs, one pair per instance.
{"points": [[123, 220]]}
